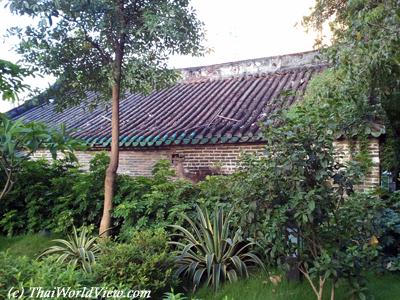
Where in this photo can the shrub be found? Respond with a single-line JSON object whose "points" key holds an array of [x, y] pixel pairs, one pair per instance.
{"points": [[14, 272], [211, 253], [79, 250], [22, 272], [152, 202], [174, 296], [27, 207], [143, 263], [299, 201], [387, 223], [50, 273], [54, 196]]}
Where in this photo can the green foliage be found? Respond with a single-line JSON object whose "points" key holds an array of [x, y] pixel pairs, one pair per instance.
{"points": [[172, 296], [58, 195], [144, 262], [19, 140], [365, 52], [211, 253], [299, 200], [152, 202], [22, 272], [80, 202], [51, 273], [79, 250], [11, 80], [387, 224], [14, 272], [54, 197], [84, 44]]}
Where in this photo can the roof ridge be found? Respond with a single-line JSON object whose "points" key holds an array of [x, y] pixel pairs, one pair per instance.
{"points": [[271, 64], [280, 72]]}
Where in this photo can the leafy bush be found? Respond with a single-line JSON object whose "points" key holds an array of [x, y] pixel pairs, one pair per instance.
{"points": [[175, 296], [143, 263], [387, 223], [49, 272], [152, 202], [77, 250], [54, 197], [19, 140], [299, 201], [20, 271], [211, 253], [14, 272]]}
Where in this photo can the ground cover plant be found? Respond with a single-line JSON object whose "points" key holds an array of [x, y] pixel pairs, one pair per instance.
{"points": [[257, 287]]}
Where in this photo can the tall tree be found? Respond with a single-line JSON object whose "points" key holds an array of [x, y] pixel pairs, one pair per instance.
{"points": [[110, 47], [365, 54]]}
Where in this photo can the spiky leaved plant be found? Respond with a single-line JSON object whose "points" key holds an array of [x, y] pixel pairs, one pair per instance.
{"points": [[82, 250], [209, 254]]}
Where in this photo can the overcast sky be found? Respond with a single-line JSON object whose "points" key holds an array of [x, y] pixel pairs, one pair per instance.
{"points": [[236, 30]]}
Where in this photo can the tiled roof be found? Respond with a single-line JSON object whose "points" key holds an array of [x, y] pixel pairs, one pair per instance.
{"points": [[195, 111]]}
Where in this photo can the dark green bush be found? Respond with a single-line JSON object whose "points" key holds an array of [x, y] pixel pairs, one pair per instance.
{"points": [[54, 196], [28, 207], [143, 263], [388, 225], [50, 273], [57, 195], [152, 202], [14, 272], [20, 271]]}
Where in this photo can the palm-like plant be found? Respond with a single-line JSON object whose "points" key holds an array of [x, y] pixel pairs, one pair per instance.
{"points": [[208, 253], [82, 250]]}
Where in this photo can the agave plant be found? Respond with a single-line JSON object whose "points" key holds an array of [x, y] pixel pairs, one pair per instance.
{"points": [[209, 253], [77, 250]]}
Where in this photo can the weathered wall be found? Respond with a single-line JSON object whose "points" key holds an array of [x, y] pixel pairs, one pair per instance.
{"points": [[224, 157], [206, 159], [372, 179], [256, 66]]}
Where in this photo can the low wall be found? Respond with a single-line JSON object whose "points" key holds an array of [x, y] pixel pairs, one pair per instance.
{"points": [[206, 159]]}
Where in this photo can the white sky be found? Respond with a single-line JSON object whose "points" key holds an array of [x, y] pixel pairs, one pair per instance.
{"points": [[236, 30]]}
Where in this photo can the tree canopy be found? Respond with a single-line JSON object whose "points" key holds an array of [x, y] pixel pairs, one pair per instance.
{"points": [[11, 80], [80, 41], [365, 56]]}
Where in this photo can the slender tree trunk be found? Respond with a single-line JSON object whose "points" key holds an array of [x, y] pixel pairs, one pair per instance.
{"points": [[111, 172]]}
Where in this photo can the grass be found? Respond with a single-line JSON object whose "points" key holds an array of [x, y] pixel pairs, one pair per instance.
{"points": [[383, 287], [29, 245]]}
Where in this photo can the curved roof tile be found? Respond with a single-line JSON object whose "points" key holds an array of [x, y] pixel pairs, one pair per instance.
{"points": [[203, 111]]}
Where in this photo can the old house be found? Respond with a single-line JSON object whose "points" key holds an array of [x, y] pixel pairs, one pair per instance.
{"points": [[202, 123]]}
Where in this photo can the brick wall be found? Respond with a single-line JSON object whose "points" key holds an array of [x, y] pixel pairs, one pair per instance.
{"points": [[372, 179], [206, 159], [224, 157]]}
